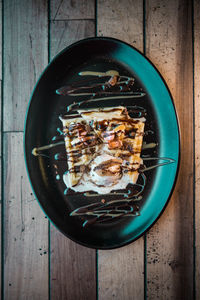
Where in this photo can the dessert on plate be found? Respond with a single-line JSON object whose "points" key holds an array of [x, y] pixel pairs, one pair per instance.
{"points": [[103, 147]]}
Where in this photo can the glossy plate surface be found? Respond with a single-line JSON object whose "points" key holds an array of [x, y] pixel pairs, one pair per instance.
{"points": [[100, 54]]}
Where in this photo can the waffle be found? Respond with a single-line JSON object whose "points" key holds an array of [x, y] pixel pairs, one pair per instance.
{"points": [[109, 130], [81, 145], [112, 125]]}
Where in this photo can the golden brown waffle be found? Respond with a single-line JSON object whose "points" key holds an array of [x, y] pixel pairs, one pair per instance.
{"points": [[110, 130], [81, 146]]}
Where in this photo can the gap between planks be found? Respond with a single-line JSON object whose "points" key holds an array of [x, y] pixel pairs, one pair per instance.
{"points": [[196, 39], [71, 20]]}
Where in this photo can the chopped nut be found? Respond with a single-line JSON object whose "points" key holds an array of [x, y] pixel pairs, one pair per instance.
{"points": [[115, 144], [113, 80]]}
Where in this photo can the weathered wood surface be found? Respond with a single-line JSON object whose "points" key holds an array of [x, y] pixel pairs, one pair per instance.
{"points": [[120, 275], [1, 264], [121, 271], [25, 226], [75, 9], [1, 40], [65, 33], [122, 20], [197, 139], [25, 229], [170, 241], [0, 138], [73, 267], [25, 56]]}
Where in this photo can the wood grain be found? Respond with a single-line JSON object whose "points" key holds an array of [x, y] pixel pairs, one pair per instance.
{"points": [[0, 142], [25, 56], [74, 9], [170, 241], [1, 252], [65, 33], [73, 267], [1, 39], [121, 271], [25, 229], [122, 20], [197, 138]]}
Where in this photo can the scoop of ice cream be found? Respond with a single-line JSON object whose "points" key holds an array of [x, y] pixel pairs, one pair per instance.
{"points": [[106, 170]]}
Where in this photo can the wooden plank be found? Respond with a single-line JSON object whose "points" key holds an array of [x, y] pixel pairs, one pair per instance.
{"points": [[197, 138], [73, 267], [76, 9], [121, 271], [25, 229], [25, 56], [65, 33], [1, 275], [170, 241], [0, 39], [122, 20], [0, 141]]}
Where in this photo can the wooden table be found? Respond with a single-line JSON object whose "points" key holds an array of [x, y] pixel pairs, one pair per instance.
{"points": [[37, 261]]}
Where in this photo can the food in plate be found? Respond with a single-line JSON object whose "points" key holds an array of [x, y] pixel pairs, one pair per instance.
{"points": [[103, 147]]}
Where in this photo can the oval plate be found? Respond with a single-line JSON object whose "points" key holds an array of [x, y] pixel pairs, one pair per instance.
{"points": [[100, 54]]}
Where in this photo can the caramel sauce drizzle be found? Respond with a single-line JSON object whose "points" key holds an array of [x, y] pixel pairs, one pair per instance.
{"points": [[117, 87], [36, 151], [76, 105]]}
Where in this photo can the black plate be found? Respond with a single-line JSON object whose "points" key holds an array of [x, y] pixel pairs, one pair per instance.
{"points": [[99, 54]]}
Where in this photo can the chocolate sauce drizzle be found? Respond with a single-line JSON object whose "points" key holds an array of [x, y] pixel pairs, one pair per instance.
{"points": [[105, 86], [100, 212]]}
